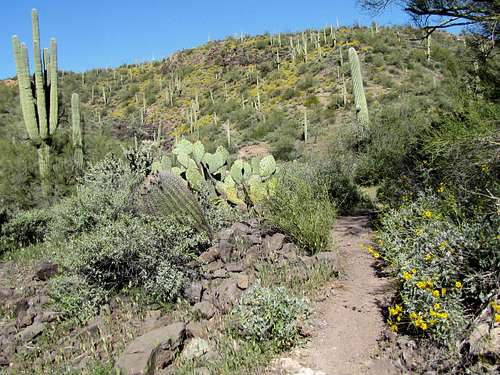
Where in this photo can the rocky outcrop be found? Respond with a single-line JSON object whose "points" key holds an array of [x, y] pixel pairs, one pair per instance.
{"points": [[151, 351]]}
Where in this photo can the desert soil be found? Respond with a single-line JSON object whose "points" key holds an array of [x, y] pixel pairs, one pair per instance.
{"points": [[348, 320]]}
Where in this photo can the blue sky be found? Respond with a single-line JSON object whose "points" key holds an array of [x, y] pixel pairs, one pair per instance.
{"points": [[92, 33]]}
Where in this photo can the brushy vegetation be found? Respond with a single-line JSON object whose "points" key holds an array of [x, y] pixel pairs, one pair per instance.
{"points": [[301, 207]]}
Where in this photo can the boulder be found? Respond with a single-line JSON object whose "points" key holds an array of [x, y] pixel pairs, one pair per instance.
{"points": [[195, 348], [45, 270], [196, 329], [152, 350], [204, 309], [240, 228], [31, 332], [243, 281], [273, 243], [234, 267], [225, 250], [227, 294], [210, 255], [193, 292]]}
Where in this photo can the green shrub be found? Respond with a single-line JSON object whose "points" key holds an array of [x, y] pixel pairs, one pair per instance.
{"points": [[270, 314], [103, 197], [27, 228], [74, 298], [135, 252], [342, 190], [445, 265], [301, 208]]}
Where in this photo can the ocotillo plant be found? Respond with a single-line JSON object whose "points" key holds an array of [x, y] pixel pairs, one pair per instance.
{"points": [[40, 126], [359, 91], [77, 132]]}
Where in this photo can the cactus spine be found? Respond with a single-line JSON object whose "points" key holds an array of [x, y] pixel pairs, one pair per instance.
{"points": [[359, 91], [77, 131], [40, 125]]}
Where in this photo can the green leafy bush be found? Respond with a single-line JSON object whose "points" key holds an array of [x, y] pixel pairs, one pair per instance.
{"points": [[103, 196], [135, 252], [445, 265], [301, 208], [74, 298], [26, 228], [270, 314]]}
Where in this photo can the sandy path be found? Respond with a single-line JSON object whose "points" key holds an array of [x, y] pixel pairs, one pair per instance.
{"points": [[349, 321]]}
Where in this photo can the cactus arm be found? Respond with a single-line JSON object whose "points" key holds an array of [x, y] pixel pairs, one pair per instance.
{"points": [[54, 105], [46, 65], [25, 92], [39, 79]]}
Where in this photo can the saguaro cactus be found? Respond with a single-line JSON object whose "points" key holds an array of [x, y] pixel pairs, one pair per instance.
{"points": [[40, 126], [77, 131], [359, 91]]}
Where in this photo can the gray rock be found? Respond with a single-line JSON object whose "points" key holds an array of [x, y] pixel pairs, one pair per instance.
{"points": [[225, 250], [193, 292], [31, 332], [195, 348], [253, 223], [143, 355], [204, 309], [227, 294], [484, 339], [45, 270], [212, 267], [234, 267], [225, 234], [196, 329], [240, 228], [25, 318], [274, 243], [243, 281], [210, 255], [220, 274], [254, 239]]}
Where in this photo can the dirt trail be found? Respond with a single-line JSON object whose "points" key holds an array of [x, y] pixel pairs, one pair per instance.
{"points": [[349, 321]]}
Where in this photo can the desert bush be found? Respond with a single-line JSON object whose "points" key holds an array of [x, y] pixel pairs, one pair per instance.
{"points": [[301, 208], [74, 298], [446, 266], [103, 196], [342, 191], [26, 228], [135, 252], [270, 314]]}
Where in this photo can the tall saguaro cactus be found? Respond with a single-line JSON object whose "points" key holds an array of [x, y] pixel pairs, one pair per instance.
{"points": [[40, 125], [77, 131], [359, 91]]}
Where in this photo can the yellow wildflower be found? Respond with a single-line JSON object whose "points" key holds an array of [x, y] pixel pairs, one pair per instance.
{"points": [[419, 232], [443, 315], [443, 291], [458, 284], [413, 315], [497, 318], [414, 271], [435, 293], [440, 188], [394, 328], [428, 214], [443, 245], [407, 276], [421, 284], [437, 306], [428, 257], [485, 168], [495, 306], [423, 325]]}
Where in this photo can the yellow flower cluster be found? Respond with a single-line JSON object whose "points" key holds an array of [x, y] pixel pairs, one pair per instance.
{"points": [[496, 308], [425, 284], [395, 312], [408, 275], [428, 214], [458, 285], [419, 232], [428, 257], [440, 188], [418, 321], [373, 252]]}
